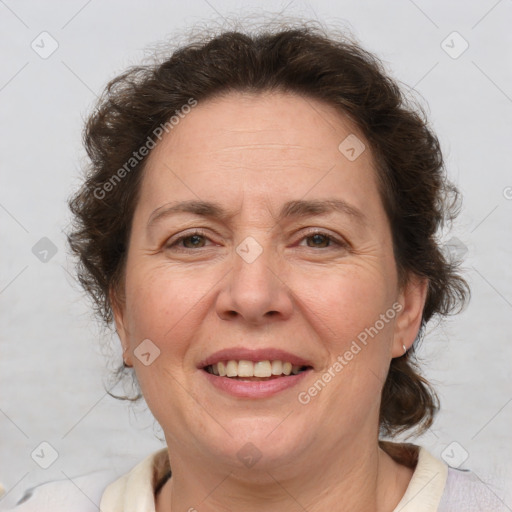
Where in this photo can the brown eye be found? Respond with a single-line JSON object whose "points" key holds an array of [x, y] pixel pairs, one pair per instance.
{"points": [[190, 241], [322, 240], [195, 241], [319, 240]]}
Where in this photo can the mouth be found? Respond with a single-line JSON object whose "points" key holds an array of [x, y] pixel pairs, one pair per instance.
{"points": [[247, 373], [254, 371]]}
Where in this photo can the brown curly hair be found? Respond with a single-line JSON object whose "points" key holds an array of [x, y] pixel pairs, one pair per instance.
{"points": [[304, 59]]}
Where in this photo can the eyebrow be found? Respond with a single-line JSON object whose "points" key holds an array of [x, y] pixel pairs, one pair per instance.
{"points": [[291, 209]]}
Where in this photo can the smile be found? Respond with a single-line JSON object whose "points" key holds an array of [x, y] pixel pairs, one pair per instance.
{"points": [[254, 371]]}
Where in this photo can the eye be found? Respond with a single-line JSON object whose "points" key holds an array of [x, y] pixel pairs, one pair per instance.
{"points": [[322, 240], [193, 240]]}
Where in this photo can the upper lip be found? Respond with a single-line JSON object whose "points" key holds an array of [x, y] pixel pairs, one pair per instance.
{"points": [[247, 354]]}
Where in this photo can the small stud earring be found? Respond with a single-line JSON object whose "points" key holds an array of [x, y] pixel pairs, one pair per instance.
{"points": [[405, 349]]}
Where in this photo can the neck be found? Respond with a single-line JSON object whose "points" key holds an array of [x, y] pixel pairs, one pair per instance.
{"points": [[362, 479]]}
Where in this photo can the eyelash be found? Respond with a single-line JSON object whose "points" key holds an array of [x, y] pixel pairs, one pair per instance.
{"points": [[337, 242]]}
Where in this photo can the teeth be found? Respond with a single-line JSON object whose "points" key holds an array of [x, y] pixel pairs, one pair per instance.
{"points": [[277, 367], [232, 369], [245, 368], [262, 369]]}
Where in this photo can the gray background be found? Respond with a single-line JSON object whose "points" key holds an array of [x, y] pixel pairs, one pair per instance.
{"points": [[53, 355]]}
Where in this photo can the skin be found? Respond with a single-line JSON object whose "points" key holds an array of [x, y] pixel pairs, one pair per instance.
{"points": [[251, 153]]}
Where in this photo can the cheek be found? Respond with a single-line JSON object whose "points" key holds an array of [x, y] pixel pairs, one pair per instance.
{"points": [[342, 303], [163, 308], [158, 299]]}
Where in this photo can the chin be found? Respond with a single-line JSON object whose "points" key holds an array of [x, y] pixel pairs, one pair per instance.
{"points": [[258, 442]]}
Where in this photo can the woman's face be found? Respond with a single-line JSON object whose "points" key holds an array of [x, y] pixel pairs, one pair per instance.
{"points": [[251, 281]]}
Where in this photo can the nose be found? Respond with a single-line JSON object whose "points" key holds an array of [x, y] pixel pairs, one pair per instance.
{"points": [[253, 291]]}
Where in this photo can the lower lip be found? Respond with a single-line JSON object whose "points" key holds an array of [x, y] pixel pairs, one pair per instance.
{"points": [[254, 389]]}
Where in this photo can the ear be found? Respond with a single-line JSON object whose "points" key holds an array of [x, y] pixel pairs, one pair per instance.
{"points": [[412, 298], [121, 329]]}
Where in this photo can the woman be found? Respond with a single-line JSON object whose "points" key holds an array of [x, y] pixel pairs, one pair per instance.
{"points": [[259, 221]]}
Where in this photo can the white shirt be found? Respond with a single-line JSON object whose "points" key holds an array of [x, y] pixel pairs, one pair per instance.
{"points": [[434, 487]]}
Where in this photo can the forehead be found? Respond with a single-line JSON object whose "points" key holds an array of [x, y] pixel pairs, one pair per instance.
{"points": [[267, 118], [271, 145]]}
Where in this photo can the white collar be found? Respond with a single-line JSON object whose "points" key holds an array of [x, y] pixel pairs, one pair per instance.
{"points": [[426, 487]]}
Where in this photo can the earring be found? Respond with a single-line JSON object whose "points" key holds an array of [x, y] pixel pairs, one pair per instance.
{"points": [[405, 349]]}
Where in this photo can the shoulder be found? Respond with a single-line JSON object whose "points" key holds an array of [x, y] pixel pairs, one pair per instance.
{"points": [[437, 487], [102, 490], [465, 491], [80, 494]]}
